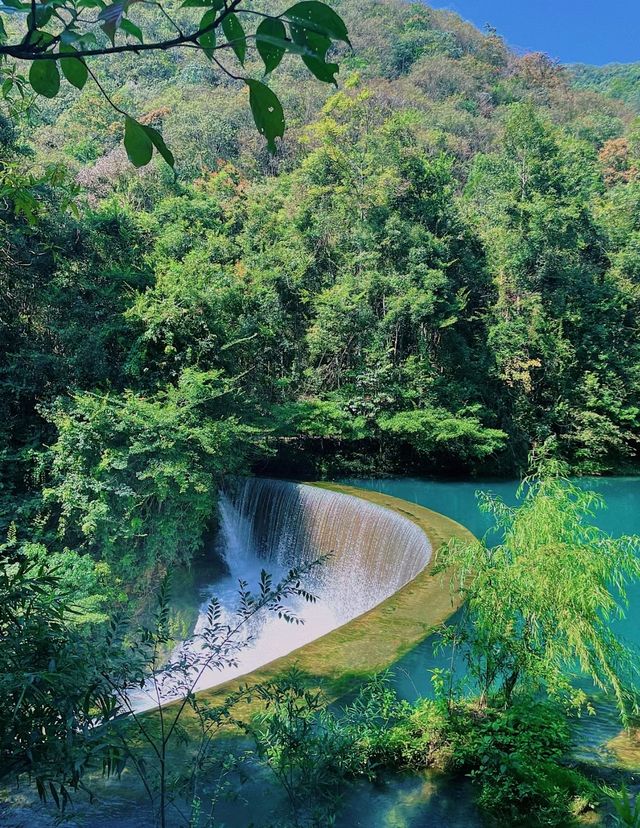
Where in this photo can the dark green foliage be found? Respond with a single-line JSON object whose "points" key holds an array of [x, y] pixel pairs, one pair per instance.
{"points": [[515, 759], [135, 479], [49, 684]]}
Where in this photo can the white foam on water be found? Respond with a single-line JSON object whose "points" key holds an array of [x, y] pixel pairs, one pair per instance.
{"points": [[276, 525]]}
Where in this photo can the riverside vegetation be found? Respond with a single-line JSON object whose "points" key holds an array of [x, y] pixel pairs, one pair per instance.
{"points": [[434, 268]]}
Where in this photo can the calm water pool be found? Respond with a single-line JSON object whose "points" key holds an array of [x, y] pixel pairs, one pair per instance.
{"points": [[411, 675], [458, 500]]}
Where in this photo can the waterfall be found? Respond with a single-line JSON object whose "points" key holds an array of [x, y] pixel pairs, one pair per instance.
{"points": [[276, 525], [372, 551]]}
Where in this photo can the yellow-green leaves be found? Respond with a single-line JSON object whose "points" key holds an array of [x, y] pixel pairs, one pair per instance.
{"points": [[44, 78], [73, 68], [267, 111], [139, 142]]}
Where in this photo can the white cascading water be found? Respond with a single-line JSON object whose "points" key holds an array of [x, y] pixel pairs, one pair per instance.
{"points": [[275, 525]]}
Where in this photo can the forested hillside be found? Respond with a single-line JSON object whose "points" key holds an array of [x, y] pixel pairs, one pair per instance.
{"points": [[437, 271], [617, 80]]}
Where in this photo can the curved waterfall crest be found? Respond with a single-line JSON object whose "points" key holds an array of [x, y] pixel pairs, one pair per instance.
{"points": [[372, 551], [276, 525]]}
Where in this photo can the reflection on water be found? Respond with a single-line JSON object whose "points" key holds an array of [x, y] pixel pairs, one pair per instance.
{"points": [[410, 800]]}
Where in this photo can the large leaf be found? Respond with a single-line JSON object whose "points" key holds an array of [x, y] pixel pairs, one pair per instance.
{"points": [[323, 71], [158, 142], [131, 29], [45, 78], [271, 38], [235, 35], [315, 47], [267, 111], [318, 17], [111, 17], [137, 143], [310, 42], [73, 68], [208, 39]]}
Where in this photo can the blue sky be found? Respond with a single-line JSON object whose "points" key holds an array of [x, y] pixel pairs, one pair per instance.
{"points": [[574, 31]]}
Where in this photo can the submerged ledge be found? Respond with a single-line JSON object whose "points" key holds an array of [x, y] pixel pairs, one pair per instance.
{"points": [[341, 659]]}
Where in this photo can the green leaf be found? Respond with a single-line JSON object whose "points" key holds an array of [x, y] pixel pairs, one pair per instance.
{"points": [[88, 40], [311, 43], [271, 37], [43, 16], [323, 71], [111, 17], [318, 17], [73, 69], [131, 29], [208, 39], [158, 142], [45, 78], [267, 111], [137, 143], [3, 32], [235, 35], [70, 36], [203, 4], [315, 47]]}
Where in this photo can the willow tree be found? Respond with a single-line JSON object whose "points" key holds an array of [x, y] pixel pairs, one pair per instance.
{"points": [[540, 605]]}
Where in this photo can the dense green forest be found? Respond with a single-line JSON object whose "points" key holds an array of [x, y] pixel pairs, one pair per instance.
{"points": [[617, 80], [436, 272]]}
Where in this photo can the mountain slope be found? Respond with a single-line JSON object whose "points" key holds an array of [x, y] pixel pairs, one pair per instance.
{"points": [[616, 80]]}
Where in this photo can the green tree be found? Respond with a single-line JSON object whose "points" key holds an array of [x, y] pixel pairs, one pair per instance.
{"points": [[135, 479], [63, 39], [540, 604], [551, 329]]}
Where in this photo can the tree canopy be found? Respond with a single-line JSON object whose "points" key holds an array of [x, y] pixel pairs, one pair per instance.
{"points": [[59, 37]]}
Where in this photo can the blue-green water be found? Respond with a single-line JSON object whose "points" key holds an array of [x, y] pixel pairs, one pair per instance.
{"points": [[398, 800], [458, 500]]}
